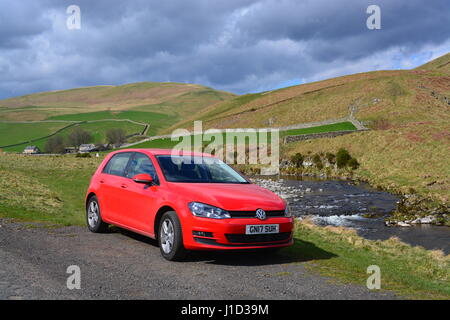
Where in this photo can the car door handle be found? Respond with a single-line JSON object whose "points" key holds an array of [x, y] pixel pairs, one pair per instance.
{"points": [[102, 181], [124, 186]]}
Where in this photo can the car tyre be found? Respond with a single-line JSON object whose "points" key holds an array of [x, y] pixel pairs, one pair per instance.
{"points": [[170, 237], [93, 217]]}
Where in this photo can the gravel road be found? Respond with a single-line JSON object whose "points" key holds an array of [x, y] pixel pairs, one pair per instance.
{"points": [[122, 265]]}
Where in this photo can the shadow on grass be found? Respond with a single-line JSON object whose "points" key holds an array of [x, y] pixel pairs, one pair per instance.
{"points": [[301, 251]]}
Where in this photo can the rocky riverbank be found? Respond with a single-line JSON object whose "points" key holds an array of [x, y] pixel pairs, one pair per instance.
{"points": [[411, 209], [356, 205]]}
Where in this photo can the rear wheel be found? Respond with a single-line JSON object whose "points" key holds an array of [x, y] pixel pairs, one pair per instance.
{"points": [[93, 216], [170, 237]]}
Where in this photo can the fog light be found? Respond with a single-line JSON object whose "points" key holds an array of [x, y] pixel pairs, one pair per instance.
{"points": [[202, 234]]}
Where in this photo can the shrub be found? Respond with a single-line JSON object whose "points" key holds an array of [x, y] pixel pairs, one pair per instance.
{"points": [[331, 158], [353, 163], [297, 160], [342, 158], [83, 155], [317, 161]]}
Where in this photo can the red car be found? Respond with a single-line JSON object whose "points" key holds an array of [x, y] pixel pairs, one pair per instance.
{"points": [[192, 201]]}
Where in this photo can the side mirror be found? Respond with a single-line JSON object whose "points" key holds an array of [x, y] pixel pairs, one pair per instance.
{"points": [[143, 178]]}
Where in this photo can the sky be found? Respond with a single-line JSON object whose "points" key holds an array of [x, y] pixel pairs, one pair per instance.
{"points": [[238, 46]]}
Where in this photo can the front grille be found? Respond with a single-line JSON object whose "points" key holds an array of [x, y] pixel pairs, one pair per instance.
{"points": [[253, 238], [252, 214]]}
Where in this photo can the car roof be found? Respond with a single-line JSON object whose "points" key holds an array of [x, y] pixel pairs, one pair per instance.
{"points": [[158, 152]]}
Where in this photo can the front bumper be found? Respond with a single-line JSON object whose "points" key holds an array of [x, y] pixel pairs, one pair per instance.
{"points": [[229, 234]]}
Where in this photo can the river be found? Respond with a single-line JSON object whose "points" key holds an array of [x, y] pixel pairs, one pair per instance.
{"points": [[345, 203]]}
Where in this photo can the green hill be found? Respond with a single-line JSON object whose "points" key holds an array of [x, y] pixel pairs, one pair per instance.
{"points": [[441, 64], [175, 99], [158, 104], [398, 97], [407, 149]]}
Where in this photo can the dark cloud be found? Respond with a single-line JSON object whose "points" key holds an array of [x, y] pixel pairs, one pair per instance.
{"points": [[19, 22], [337, 28], [235, 45]]}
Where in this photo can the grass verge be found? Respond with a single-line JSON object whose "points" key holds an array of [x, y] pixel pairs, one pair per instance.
{"points": [[337, 252]]}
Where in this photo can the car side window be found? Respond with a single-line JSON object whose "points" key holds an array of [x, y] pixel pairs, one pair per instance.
{"points": [[117, 164], [139, 164]]}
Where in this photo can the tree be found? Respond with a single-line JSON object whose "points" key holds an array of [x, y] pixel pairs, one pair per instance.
{"points": [[116, 136], [54, 144], [317, 161], [331, 158], [353, 163], [79, 136], [342, 158], [297, 160]]}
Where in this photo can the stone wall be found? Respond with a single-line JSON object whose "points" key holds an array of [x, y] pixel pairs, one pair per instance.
{"points": [[302, 137]]}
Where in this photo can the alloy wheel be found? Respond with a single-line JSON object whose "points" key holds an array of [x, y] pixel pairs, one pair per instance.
{"points": [[93, 214], [167, 236]]}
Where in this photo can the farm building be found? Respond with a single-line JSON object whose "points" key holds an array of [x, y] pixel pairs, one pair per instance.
{"points": [[31, 150], [85, 148], [70, 150]]}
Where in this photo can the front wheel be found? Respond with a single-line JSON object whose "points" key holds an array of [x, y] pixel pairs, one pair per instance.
{"points": [[170, 237]]}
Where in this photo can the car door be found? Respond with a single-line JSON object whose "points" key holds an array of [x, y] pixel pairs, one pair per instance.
{"points": [[112, 183], [140, 199]]}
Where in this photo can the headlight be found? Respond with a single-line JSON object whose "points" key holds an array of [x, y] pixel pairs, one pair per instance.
{"points": [[206, 211], [287, 211]]}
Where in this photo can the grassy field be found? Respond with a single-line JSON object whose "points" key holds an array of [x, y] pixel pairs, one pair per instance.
{"points": [[52, 190], [97, 129], [160, 104], [45, 188], [165, 143], [342, 126], [156, 120], [11, 133]]}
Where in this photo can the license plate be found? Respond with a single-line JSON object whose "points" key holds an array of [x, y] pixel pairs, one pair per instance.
{"points": [[262, 228]]}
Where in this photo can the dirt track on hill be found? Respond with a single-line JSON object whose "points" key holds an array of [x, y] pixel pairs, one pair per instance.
{"points": [[123, 265]]}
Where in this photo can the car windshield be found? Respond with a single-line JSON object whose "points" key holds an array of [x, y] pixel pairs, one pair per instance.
{"points": [[197, 169]]}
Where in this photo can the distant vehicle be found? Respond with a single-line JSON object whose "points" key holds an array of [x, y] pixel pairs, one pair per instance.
{"points": [[192, 201], [31, 150]]}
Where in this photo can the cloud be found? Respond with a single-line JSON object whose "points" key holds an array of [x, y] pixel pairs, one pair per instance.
{"points": [[235, 45]]}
